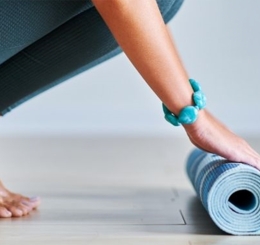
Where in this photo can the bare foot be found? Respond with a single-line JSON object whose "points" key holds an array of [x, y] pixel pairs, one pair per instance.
{"points": [[15, 205]]}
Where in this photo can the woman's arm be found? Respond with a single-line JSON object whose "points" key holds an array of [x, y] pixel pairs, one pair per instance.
{"points": [[139, 29]]}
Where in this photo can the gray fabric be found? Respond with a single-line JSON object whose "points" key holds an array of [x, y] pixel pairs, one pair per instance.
{"points": [[39, 49], [24, 22]]}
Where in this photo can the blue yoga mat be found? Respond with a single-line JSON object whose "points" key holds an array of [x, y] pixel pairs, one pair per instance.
{"points": [[229, 191]]}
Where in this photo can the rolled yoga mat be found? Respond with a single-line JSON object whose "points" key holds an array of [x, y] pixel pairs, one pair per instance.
{"points": [[229, 191]]}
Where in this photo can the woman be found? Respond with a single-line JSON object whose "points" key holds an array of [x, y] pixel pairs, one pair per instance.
{"points": [[86, 34]]}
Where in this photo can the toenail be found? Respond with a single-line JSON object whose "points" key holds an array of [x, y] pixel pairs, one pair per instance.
{"points": [[25, 203], [8, 213], [34, 199]]}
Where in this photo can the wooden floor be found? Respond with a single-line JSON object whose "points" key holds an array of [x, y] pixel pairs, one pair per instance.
{"points": [[106, 191]]}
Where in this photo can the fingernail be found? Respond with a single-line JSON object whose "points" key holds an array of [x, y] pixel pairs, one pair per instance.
{"points": [[8, 213], [34, 199]]}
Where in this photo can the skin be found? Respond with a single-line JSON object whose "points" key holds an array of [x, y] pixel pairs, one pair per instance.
{"points": [[145, 39], [138, 27], [15, 205]]}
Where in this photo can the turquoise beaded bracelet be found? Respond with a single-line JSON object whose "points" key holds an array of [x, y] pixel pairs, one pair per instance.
{"points": [[188, 114]]}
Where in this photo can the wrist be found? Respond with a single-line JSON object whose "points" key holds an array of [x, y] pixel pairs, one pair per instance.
{"points": [[198, 124]]}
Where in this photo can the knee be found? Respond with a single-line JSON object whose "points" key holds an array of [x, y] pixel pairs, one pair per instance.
{"points": [[169, 8]]}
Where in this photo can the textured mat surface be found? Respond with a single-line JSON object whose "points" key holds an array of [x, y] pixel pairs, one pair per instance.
{"points": [[229, 191]]}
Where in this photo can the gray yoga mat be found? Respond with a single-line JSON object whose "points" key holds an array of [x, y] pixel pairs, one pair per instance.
{"points": [[229, 191]]}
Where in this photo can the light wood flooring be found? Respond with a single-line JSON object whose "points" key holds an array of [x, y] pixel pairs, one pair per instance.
{"points": [[106, 191]]}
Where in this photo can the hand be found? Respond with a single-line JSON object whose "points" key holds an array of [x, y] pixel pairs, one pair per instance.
{"points": [[210, 135]]}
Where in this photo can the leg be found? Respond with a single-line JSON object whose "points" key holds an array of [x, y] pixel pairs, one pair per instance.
{"points": [[24, 22], [79, 44]]}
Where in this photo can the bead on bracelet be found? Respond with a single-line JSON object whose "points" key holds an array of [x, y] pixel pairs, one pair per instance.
{"points": [[188, 114]]}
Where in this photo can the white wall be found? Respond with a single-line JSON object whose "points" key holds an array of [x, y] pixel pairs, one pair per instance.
{"points": [[219, 42]]}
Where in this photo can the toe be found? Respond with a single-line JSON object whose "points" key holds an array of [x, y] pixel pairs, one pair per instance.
{"points": [[35, 202], [24, 209], [27, 205], [4, 213], [16, 212]]}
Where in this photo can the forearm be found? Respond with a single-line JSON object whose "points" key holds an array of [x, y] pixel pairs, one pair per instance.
{"points": [[138, 27]]}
